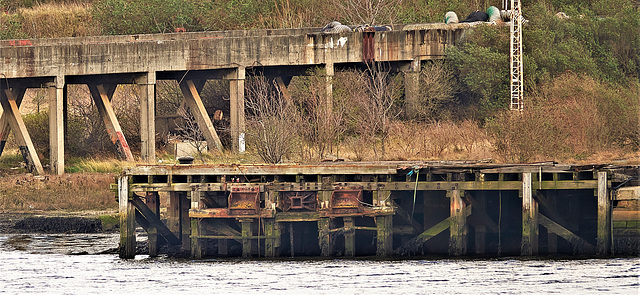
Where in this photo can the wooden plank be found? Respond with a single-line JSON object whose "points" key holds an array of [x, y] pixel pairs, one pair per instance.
{"points": [[127, 212], [604, 216], [10, 108], [102, 100], [5, 129], [196, 107], [566, 234], [529, 245]]}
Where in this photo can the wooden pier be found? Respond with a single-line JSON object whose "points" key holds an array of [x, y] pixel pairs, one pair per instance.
{"points": [[365, 209]]}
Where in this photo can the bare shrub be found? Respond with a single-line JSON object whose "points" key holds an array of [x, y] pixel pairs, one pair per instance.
{"points": [[189, 130], [271, 121], [573, 117], [436, 92], [372, 99], [322, 117]]}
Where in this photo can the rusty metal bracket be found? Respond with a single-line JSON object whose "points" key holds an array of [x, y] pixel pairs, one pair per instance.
{"points": [[244, 200], [299, 201], [346, 200]]}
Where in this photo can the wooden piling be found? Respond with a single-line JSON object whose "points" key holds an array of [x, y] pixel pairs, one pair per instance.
{"points": [[324, 238], [152, 200], [196, 243], [604, 216], [127, 249], [349, 237], [529, 245], [185, 222], [270, 249], [458, 224], [384, 244], [247, 234]]}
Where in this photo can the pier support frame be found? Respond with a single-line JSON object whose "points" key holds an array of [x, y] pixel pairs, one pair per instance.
{"points": [[5, 128]]}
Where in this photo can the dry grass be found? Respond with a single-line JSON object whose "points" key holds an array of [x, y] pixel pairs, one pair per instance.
{"points": [[73, 192], [58, 20]]}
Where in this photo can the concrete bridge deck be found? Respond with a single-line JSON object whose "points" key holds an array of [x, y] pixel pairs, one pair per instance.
{"points": [[192, 58]]}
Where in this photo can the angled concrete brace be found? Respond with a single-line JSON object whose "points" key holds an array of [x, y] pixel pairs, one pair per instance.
{"points": [[4, 121], [102, 95], [194, 103], [12, 114]]}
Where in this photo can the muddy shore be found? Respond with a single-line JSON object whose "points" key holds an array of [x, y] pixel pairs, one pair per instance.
{"points": [[57, 222]]}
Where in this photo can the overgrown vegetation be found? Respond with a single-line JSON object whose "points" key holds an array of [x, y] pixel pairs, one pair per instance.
{"points": [[582, 92]]}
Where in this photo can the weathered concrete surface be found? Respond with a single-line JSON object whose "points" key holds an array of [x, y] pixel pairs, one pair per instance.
{"points": [[215, 50]]}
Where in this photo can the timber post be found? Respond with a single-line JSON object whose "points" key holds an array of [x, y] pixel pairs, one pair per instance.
{"points": [[127, 248], [384, 237], [604, 216], [349, 237], [247, 234], [458, 224], [324, 237], [529, 245], [152, 200]]}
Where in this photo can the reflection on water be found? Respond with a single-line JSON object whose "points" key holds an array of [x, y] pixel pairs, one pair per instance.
{"points": [[33, 264]]}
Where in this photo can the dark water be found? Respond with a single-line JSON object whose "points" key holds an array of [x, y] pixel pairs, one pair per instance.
{"points": [[38, 264]]}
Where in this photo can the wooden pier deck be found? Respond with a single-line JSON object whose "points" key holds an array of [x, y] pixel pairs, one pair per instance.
{"points": [[383, 209]]}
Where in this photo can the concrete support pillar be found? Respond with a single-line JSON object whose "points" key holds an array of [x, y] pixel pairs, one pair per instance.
{"points": [[529, 244], [127, 248], [56, 125], [236, 108], [384, 245], [604, 216], [152, 200], [147, 93], [412, 88], [458, 227], [329, 73]]}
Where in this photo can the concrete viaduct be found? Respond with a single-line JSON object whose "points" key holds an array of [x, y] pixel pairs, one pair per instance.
{"points": [[103, 62]]}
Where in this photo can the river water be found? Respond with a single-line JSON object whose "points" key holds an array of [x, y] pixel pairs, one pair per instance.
{"points": [[42, 264]]}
